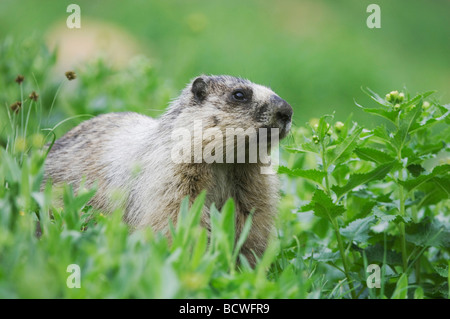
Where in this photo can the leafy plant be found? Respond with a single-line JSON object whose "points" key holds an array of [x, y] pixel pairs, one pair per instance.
{"points": [[393, 179], [352, 196]]}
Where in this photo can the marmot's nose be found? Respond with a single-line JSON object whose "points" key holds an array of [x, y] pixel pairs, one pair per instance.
{"points": [[282, 110]]}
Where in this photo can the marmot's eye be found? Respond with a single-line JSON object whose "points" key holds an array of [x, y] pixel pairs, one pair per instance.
{"points": [[239, 96]]}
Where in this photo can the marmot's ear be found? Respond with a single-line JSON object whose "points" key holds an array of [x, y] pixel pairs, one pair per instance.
{"points": [[199, 89]]}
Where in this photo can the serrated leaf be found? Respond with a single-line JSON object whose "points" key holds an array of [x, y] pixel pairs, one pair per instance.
{"points": [[345, 148], [442, 270], [415, 169], [384, 216], [391, 216], [415, 99], [375, 254], [411, 184], [304, 148], [356, 180], [430, 148], [415, 127], [323, 206], [432, 192], [443, 183], [340, 172], [389, 115], [373, 155], [381, 134], [435, 233], [358, 230], [310, 174], [324, 256], [405, 126], [374, 96]]}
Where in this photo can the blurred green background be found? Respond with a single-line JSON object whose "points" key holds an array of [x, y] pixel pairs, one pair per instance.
{"points": [[315, 54]]}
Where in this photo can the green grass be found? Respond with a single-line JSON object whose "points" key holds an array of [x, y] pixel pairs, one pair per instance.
{"points": [[352, 196]]}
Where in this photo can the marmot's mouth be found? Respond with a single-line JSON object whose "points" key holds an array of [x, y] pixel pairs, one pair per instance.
{"points": [[279, 132]]}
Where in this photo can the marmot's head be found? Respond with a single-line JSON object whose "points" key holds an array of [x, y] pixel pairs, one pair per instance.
{"points": [[225, 101], [222, 103]]}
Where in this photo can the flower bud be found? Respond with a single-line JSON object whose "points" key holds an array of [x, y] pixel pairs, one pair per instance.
{"points": [[16, 106], [401, 97], [396, 106], [34, 96], [388, 97], [19, 79], [394, 95], [338, 126], [71, 75], [315, 139], [426, 105]]}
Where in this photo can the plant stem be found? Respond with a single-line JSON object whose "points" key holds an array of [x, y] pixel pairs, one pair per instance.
{"points": [[402, 228], [325, 169], [343, 256], [336, 227], [403, 243], [417, 265]]}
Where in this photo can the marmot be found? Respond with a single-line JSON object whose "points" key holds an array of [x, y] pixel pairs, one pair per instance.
{"points": [[133, 153]]}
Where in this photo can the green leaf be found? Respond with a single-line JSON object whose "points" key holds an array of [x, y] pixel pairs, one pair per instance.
{"points": [[356, 180], [304, 148], [228, 223], [430, 148], [374, 96], [432, 192], [415, 169], [323, 206], [401, 290], [411, 184], [323, 127], [375, 254], [373, 155], [434, 233], [391, 216], [243, 236], [345, 148], [382, 135], [389, 115], [443, 183], [358, 230], [442, 270], [405, 126], [310, 174], [421, 126], [340, 172], [324, 256], [293, 149], [418, 293]]}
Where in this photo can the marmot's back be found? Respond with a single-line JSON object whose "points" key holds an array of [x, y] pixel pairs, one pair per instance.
{"points": [[100, 151]]}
